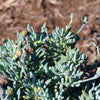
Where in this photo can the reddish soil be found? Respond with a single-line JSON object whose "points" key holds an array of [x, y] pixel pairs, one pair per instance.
{"points": [[16, 14]]}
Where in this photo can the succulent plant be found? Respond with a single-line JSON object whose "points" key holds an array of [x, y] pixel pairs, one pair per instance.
{"points": [[45, 66], [92, 94]]}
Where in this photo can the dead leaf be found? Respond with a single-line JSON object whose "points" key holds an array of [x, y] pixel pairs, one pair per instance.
{"points": [[54, 2], [9, 3], [57, 13]]}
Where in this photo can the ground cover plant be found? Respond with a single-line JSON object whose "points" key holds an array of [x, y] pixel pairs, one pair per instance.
{"points": [[47, 67]]}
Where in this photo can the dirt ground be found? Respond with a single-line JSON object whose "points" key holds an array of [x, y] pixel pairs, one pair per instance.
{"points": [[16, 14]]}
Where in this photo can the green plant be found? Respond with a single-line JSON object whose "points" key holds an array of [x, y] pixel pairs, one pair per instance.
{"points": [[45, 67]]}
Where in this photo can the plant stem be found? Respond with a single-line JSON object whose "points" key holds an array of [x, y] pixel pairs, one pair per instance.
{"points": [[1, 93], [89, 79], [81, 28], [6, 97]]}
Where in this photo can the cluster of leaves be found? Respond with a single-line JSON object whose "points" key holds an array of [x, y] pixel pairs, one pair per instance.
{"points": [[46, 67]]}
